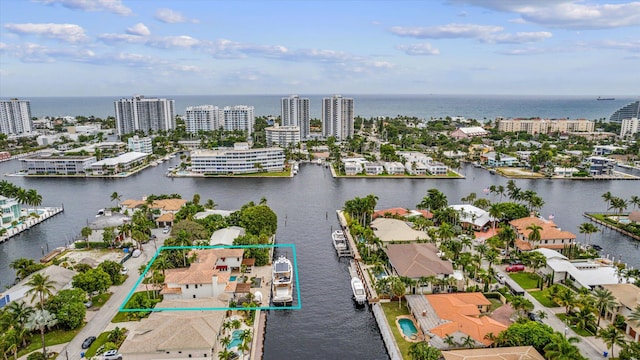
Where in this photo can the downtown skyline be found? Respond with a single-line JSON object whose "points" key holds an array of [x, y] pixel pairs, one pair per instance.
{"points": [[156, 48]]}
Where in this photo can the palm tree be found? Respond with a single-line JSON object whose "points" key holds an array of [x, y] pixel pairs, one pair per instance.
{"points": [[115, 196], [40, 287], [635, 314], [496, 214], [561, 348], [399, 288], [469, 342], [225, 354], [607, 198], [225, 341], [604, 300], [40, 320], [508, 235], [587, 229], [534, 234], [245, 337], [611, 336], [450, 341], [210, 204], [619, 204], [635, 201]]}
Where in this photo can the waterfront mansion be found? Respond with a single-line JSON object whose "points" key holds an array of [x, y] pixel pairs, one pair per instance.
{"points": [[208, 276]]}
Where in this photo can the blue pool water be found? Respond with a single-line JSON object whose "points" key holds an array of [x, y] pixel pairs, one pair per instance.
{"points": [[232, 278], [408, 329], [235, 339]]}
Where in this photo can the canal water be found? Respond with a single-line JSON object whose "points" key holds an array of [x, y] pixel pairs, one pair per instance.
{"points": [[328, 325]]}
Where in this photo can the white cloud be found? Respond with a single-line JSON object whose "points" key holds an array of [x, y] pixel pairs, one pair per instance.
{"points": [[519, 37], [167, 42], [633, 46], [66, 32], [449, 31], [172, 17], [120, 38], [112, 6], [484, 33], [35, 53], [139, 29], [567, 14], [419, 49]]}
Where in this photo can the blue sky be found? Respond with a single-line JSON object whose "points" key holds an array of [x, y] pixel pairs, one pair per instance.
{"points": [[201, 47]]}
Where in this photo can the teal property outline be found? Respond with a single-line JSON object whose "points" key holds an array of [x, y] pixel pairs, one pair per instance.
{"points": [[298, 306]]}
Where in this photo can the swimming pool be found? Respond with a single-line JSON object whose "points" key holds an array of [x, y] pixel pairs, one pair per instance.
{"points": [[232, 278], [408, 328], [235, 339]]}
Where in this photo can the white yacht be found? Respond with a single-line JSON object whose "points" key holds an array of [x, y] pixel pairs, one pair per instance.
{"points": [[339, 240], [282, 274], [358, 291]]}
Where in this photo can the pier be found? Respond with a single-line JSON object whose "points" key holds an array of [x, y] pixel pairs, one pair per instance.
{"points": [[47, 213]]}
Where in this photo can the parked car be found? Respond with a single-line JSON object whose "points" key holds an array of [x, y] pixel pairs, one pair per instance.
{"points": [[88, 304], [534, 317], [500, 278], [111, 355], [124, 271], [88, 341], [166, 230], [515, 268], [136, 253]]}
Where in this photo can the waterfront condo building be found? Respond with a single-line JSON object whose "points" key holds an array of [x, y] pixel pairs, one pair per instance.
{"points": [[138, 144], [294, 111], [629, 127], [10, 211], [535, 126], [15, 117], [627, 112], [239, 160], [337, 117], [57, 165], [144, 114], [203, 118], [282, 136]]}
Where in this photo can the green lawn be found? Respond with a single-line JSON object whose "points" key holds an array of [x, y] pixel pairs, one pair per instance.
{"points": [[579, 331], [543, 298], [54, 337], [526, 279], [122, 316], [391, 311], [100, 300], [495, 303]]}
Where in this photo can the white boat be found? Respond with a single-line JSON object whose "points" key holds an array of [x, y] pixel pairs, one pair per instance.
{"points": [[339, 240], [282, 274], [358, 291]]}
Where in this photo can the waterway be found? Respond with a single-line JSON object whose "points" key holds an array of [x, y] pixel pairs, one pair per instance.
{"points": [[328, 325]]}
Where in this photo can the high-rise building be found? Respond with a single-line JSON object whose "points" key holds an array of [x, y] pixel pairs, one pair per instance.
{"points": [[203, 117], [535, 126], [337, 117], [15, 117], [239, 117], [629, 127], [628, 112], [294, 111], [144, 114]]}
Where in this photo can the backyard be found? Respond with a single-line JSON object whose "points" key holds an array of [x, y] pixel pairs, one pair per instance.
{"points": [[391, 311]]}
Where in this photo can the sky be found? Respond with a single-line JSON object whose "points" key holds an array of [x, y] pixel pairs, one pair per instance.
{"points": [[223, 47]]}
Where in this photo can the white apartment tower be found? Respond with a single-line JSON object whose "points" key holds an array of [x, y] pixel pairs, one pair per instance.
{"points": [[144, 114], [294, 111], [239, 117], [203, 117], [337, 117], [15, 117], [629, 127]]}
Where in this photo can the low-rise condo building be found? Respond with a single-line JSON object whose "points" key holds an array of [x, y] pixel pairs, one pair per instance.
{"points": [[11, 211], [282, 136], [545, 126], [118, 164], [239, 160], [138, 144], [57, 165]]}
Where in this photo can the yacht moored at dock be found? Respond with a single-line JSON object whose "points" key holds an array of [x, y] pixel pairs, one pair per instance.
{"points": [[282, 274], [340, 243], [357, 287]]}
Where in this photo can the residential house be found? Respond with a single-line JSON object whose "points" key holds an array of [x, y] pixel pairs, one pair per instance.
{"points": [[565, 171], [163, 210], [498, 353], [108, 220], [604, 150], [226, 236], [388, 230], [208, 276], [353, 166], [628, 298], [60, 277], [418, 260], [468, 132], [373, 168], [401, 212], [473, 217], [584, 273], [437, 168], [493, 159], [551, 236], [394, 168], [599, 165], [458, 315]]}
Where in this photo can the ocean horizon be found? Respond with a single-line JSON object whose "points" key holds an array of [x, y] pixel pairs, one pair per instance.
{"points": [[482, 107]]}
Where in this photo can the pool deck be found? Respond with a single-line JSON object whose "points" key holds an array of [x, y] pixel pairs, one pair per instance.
{"points": [[30, 222]]}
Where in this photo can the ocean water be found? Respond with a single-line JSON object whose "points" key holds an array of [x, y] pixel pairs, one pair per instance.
{"points": [[480, 107]]}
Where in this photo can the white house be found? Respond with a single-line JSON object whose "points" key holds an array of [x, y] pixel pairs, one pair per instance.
{"points": [[374, 168], [394, 168], [208, 276], [471, 216]]}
